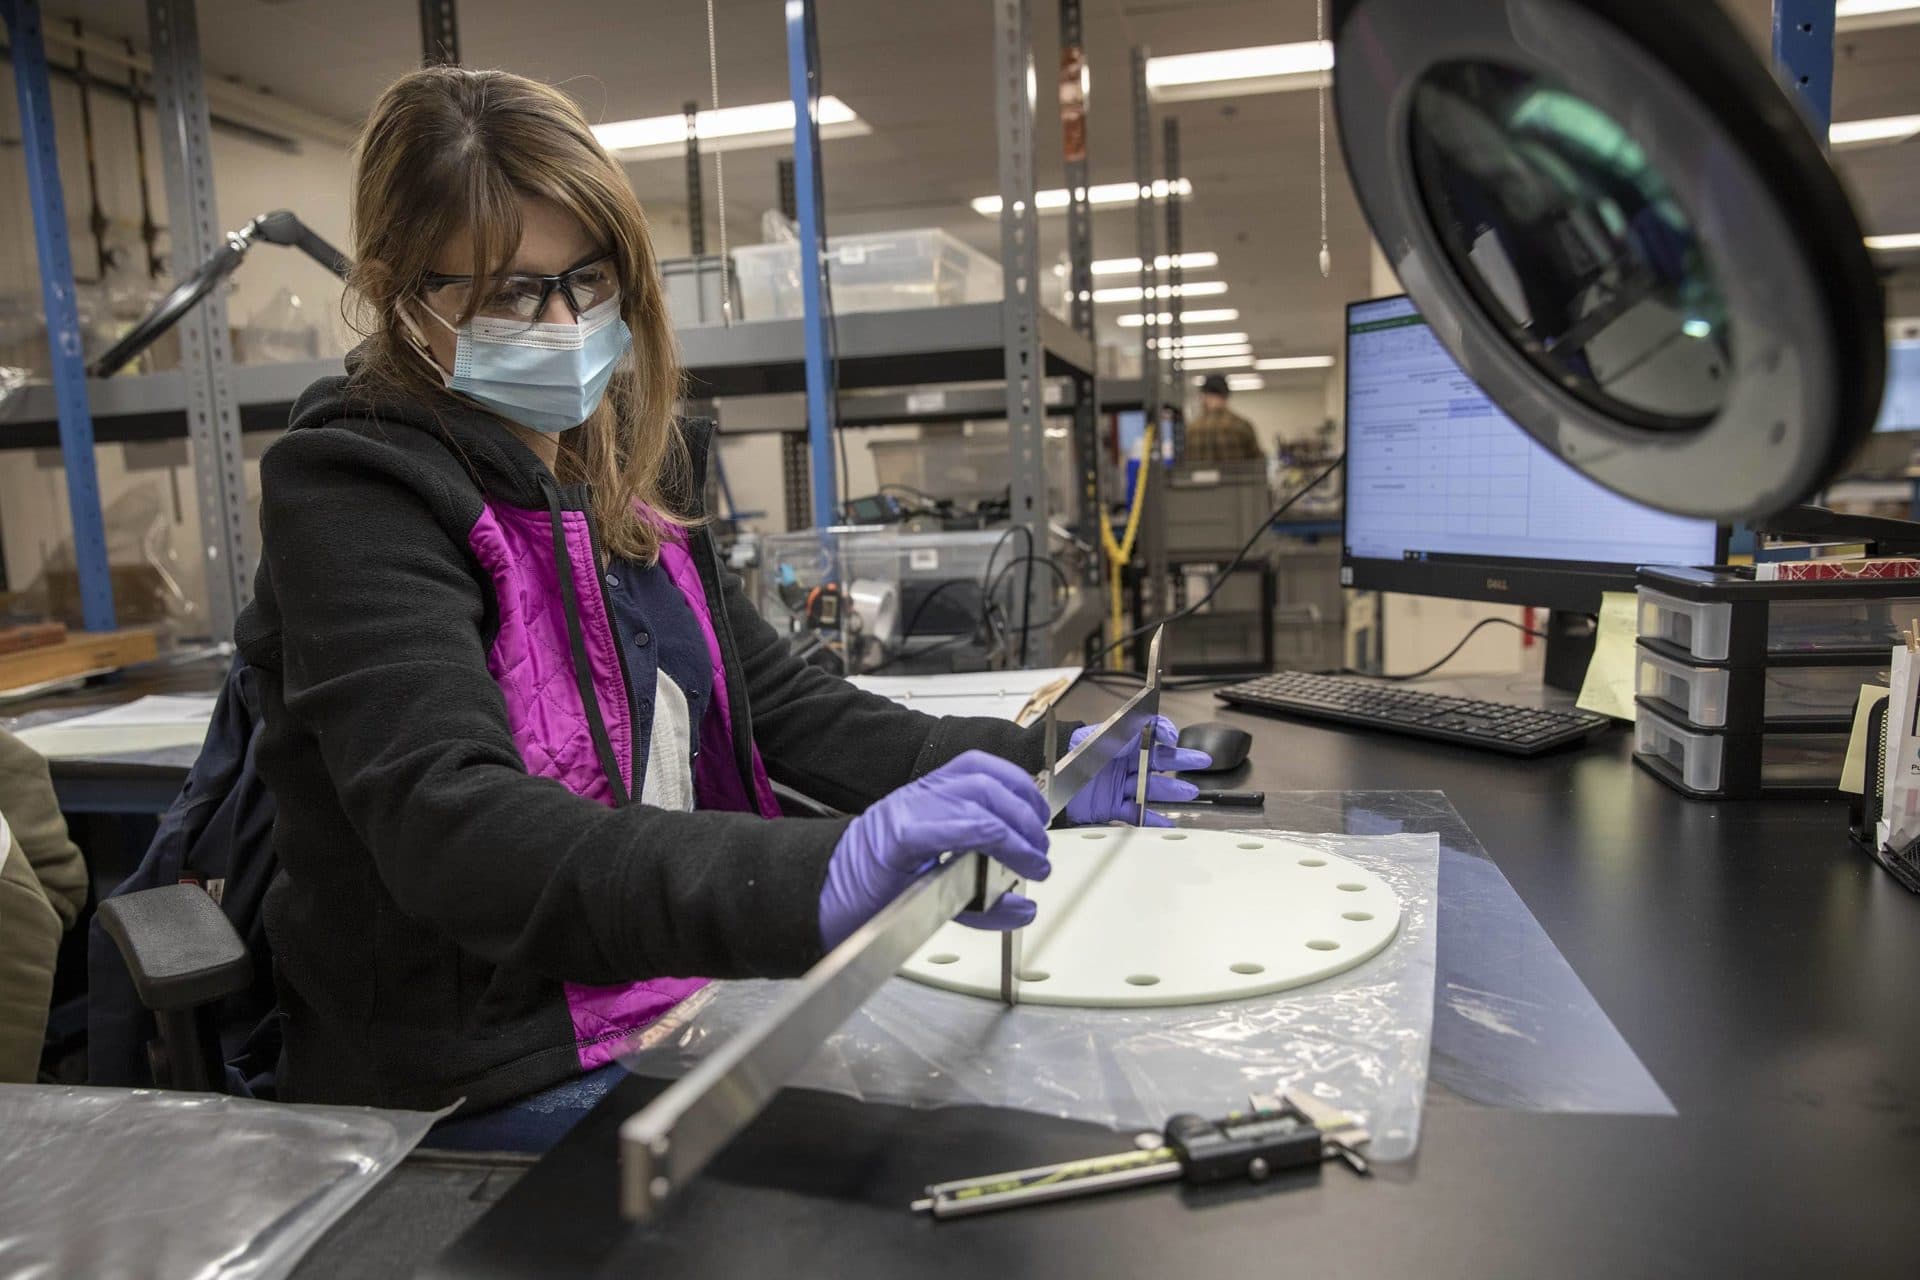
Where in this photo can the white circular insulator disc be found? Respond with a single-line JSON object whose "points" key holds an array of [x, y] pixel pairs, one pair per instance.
{"points": [[1150, 916]]}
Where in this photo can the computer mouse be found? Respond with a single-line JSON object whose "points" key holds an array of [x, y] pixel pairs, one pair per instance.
{"points": [[1226, 744]]}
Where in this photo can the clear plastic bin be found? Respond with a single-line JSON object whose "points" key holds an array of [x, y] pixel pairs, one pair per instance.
{"points": [[1705, 628], [899, 592], [878, 271], [1707, 762], [1701, 694]]}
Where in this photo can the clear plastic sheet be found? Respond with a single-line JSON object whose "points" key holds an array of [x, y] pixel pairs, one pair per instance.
{"points": [[1513, 1024], [1358, 1040], [141, 1182]]}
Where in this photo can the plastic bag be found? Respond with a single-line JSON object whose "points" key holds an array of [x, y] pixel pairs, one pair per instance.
{"points": [[141, 560], [1357, 1040], [126, 1182]]}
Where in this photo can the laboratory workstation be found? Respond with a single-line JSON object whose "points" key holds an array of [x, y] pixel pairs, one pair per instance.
{"points": [[1016, 638]]}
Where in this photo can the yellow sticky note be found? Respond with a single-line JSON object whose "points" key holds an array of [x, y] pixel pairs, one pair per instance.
{"points": [[1853, 774], [1608, 688]]}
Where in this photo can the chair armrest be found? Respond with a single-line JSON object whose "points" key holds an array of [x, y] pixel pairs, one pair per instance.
{"points": [[179, 946]]}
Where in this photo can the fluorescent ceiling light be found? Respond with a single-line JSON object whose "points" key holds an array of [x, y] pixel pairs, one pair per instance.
{"points": [[1295, 362], [1054, 199], [1217, 362], [1131, 292], [764, 124], [1867, 133], [1225, 73], [1188, 261], [1883, 244], [1206, 353], [1216, 315], [1861, 15], [1206, 340]]}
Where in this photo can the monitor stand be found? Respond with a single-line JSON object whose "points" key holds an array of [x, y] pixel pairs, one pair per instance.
{"points": [[1570, 640]]}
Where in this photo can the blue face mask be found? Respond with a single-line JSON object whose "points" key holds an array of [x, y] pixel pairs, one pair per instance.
{"points": [[549, 377]]}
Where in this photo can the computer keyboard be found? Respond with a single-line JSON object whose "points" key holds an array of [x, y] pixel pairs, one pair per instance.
{"points": [[1496, 726]]}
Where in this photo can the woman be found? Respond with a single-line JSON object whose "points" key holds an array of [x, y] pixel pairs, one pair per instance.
{"points": [[519, 725]]}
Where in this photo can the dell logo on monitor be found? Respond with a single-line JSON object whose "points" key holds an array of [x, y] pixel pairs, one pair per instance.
{"points": [[1498, 584]]}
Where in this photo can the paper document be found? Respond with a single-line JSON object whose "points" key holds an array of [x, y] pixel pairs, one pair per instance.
{"points": [[1001, 694], [145, 724], [1853, 773], [1608, 688]]}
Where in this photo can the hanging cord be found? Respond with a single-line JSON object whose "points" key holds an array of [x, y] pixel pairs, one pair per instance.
{"points": [[1320, 33], [720, 176]]}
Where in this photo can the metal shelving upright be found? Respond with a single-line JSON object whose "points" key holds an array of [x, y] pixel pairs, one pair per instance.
{"points": [[68, 367]]}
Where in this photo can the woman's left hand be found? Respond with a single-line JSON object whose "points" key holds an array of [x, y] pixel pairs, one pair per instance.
{"points": [[1110, 796]]}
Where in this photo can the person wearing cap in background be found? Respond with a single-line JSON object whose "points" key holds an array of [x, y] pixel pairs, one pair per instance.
{"points": [[1219, 434]]}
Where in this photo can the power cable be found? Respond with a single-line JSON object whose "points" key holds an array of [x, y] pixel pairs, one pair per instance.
{"points": [[1454, 652]]}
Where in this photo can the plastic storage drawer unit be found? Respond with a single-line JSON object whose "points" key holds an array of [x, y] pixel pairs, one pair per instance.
{"points": [[1714, 765], [1786, 694], [1721, 615]]}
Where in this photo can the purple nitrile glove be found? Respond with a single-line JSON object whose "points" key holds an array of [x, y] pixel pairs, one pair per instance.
{"points": [[1109, 797], [974, 803]]}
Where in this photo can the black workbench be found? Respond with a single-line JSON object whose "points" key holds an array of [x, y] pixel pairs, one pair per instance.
{"points": [[1764, 972]]}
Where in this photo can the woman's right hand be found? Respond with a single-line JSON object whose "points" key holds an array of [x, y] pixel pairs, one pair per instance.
{"points": [[974, 803]]}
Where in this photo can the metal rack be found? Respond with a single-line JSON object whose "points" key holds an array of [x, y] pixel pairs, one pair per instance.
{"points": [[1045, 366]]}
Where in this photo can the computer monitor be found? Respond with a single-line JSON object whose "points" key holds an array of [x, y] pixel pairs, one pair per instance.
{"points": [[1447, 496], [1900, 406]]}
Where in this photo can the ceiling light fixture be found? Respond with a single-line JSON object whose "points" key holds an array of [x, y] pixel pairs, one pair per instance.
{"points": [[1131, 292], [764, 124], [1054, 199], [1218, 362], [1131, 266], [1239, 382], [1872, 133], [1884, 244], [1863, 15], [1226, 73], [1295, 362], [1207, 353], [1194, 341], [1215, 315]]}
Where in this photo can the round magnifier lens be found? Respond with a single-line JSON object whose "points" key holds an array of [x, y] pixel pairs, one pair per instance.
{"points": [[1573, 244]]}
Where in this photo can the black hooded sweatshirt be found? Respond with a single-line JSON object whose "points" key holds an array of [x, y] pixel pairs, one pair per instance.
{"points": [[440, 905]]}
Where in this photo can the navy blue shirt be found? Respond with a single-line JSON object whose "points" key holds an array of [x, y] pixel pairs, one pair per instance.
{"points": [[658, 632]]}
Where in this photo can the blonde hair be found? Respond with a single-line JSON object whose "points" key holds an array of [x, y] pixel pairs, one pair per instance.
{"points": [[448, 149]]}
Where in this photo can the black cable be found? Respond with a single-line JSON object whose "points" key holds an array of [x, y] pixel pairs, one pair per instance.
{"points": [[1053, 567], [1220, 579], [1454, 652]]}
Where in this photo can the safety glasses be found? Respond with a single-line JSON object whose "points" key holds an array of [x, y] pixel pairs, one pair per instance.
{"points": [[524, 298]]}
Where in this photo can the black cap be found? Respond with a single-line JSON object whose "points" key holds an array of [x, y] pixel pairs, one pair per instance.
{"points": [[1215, 385]]}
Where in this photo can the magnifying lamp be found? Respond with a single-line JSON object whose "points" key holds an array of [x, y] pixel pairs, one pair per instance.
{"points": [[1622, 228]]}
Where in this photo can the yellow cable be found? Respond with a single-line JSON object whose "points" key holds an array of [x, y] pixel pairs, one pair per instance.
{"points": [[1120, 553]]}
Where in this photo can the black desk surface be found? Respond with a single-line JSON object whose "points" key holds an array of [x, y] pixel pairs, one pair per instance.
{"points": [[1764, 972]]}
